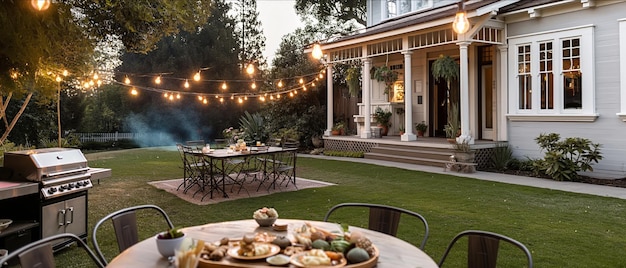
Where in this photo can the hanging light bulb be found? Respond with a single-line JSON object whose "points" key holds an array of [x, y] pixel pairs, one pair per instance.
{"points": [[186, 83], [65, 73], [301, 81], [133, 92], [312, 84], [253, 86], [290, 94], [278, 95], [250, 69], [172, 97], [165, 95], [222, 100], [127, 80], [58, 79], [196, 77], [205, 101], [200, 98], [280, 83], [91, 83], [158, 80], [224, 86], [321, 75], [240, 100], [317, 52], [262, 98], [178, 96], [272, 97], [245, 97], [216, 96], [295, 92], [303, 88], [232, 97], [40, 5], [99, 82], [461, 24], [86, 84], [95, 76]]}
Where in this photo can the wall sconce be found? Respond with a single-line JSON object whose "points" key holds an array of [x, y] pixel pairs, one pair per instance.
{"points": [[40, 5], [461, 24]]}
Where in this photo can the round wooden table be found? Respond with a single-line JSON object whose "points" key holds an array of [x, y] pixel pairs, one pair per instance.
{"points": [[394, 252]]}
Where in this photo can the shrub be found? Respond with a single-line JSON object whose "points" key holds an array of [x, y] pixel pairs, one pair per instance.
{"points": [[344, 154], [563, 159], [502, 156]]}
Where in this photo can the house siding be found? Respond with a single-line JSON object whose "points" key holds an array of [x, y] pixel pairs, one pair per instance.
{"points": [[608, 129]]}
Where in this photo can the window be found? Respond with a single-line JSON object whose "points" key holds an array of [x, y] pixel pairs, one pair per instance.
{"points": [[400, 7], [546, 82]]}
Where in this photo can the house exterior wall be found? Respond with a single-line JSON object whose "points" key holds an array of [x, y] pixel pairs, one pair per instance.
{"points": [[607, 129]]}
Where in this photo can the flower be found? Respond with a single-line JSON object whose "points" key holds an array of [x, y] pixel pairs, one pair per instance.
{"points": [[231, 134], [264, 213]]}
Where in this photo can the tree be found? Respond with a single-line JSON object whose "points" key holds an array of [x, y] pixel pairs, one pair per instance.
{"points": [[250, 33], [36, 47], [341, 10]]}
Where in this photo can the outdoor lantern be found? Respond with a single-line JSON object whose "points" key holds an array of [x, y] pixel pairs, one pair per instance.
{"points": [[40, 5], [317, 51], [461, 23]]}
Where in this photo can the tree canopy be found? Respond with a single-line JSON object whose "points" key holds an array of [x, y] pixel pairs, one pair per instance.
{"points": [[341, 10]]}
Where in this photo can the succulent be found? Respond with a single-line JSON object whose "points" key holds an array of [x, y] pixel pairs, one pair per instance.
{"points": [[171, 234]]}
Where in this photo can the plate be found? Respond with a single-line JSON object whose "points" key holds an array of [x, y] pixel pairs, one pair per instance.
{"points": [[274, 249], [295, 260]]}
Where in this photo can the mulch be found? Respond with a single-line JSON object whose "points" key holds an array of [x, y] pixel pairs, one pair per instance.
{"points": [[615, 182], [249, 190]]}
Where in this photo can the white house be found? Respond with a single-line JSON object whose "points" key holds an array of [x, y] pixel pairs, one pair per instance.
{"points": [[526, 67]]}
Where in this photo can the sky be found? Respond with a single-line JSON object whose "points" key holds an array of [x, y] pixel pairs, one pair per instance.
{"points": [[278, 17]]}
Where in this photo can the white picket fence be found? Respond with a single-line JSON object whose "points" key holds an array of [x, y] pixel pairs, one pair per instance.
{"points": [[104, 137]]}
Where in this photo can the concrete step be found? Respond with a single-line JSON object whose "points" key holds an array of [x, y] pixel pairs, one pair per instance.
{"points": [[415, 152]]}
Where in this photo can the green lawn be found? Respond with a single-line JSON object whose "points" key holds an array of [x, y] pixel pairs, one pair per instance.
{"points": [[561, 229]]}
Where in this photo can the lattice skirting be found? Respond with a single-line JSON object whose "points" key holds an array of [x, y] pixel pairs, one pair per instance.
{"points": [[349, 146]]}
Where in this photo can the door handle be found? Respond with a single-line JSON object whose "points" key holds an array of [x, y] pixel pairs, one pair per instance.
{"points": [[71, 210], [61, 217]]}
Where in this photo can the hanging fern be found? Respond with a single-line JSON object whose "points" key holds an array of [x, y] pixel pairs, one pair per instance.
{"points": [[384, 74], [446, 68], [353, 80]]}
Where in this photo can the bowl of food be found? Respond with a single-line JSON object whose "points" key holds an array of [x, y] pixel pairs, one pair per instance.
{"points": [[4, 223], [169, 241], [265, 217]]}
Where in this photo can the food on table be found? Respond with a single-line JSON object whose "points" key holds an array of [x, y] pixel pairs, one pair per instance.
{"points": [[265, 213], [224, 241], [315, 257], [339, 244], [357, 255], [248, 248], [214, 251], [282, 241], [292, 250], [264, 237], [364, 243], [279, 259], [321, 244]]}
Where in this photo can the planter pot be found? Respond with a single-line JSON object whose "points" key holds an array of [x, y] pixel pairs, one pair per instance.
{"points": [[465, 157], [385, 130], [168, 247], [317, 141], [335, 132], [420, 133]]}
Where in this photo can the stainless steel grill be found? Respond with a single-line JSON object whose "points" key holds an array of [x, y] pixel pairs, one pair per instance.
{"points": [[60, 171]]}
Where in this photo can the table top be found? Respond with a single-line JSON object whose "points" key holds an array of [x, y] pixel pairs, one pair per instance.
{"points": [[227, 153], [394, 252]]}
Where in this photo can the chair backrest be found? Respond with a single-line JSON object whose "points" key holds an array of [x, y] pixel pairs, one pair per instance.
{"points": [[196, 143], [125, 226], [482, 250], [40, 254], [384, 219]]}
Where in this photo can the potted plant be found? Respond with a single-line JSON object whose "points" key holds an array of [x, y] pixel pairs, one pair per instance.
{"points": [[421, 128], [383, 118], [401, 130], [338, 128], [463, 152], [384, 74], [446, 68], [169, 241], [353, 80]]}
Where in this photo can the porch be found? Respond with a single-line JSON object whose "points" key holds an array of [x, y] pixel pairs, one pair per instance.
{"points": [[430, 151]]}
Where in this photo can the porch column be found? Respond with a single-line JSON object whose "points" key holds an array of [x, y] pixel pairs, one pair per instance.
{"points": [[465, 116], [329, 99], [408, 99], [502, 94], [367, 100]]}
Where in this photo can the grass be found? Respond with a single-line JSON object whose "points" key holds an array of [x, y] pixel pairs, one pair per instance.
{"points": [[561, 229]]}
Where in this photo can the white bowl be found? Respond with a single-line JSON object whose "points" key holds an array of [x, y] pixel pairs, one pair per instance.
{"points": [[267, 222], [279, 259], [168, 247], [4, 223]]}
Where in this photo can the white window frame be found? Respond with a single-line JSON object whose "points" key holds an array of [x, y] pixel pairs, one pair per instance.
{"points": [[588, 111], [622, 68]]}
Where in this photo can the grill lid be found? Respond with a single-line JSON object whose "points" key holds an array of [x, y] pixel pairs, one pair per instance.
{"points": [[40, 164]]}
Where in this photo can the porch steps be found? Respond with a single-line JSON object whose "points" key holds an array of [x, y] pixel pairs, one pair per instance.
{"points": [[419, 155]]}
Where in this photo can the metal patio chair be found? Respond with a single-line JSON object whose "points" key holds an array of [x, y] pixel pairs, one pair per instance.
{"points": [[384, 218], [125, 226], [482, 251], [40, 254]]}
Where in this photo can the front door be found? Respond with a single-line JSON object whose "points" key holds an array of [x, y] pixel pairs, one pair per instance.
{"points": [[487, 107]]}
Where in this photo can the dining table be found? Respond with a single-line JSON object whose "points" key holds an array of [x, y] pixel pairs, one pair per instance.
{"points": [[392, 252], [224, 166]]}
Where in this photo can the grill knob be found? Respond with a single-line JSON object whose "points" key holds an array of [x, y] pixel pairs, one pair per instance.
{"points": [[79, 184], [70, 186], [51, 190]]}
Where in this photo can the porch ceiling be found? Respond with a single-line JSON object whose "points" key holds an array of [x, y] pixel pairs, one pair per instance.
{"points": [[420, 30]]}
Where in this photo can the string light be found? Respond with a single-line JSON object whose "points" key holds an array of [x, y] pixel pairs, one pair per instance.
{"points": [[224, 86], [205, 101], [95, 76], [186, 83], [196, 77], [172, 97], [65, 73], [58, 79], [250, 69], [240, 100], [40, 5], [280, 83], [200, 98], [127, 80], [253, 86], [158, 80], [134, 92], [301, 81], [222, 100], [178, 96], [317, 52]]}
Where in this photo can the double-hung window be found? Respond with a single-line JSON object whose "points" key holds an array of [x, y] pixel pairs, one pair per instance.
{"points": [[546, 76]]}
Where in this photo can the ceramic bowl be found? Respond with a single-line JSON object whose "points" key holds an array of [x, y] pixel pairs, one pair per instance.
{"points": [[265, 222], [168, 247], [4, 223], [278, 260]]}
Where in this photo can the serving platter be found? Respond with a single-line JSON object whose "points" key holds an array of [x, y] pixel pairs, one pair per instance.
{"points": [[295, 260], [233, 252]]}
